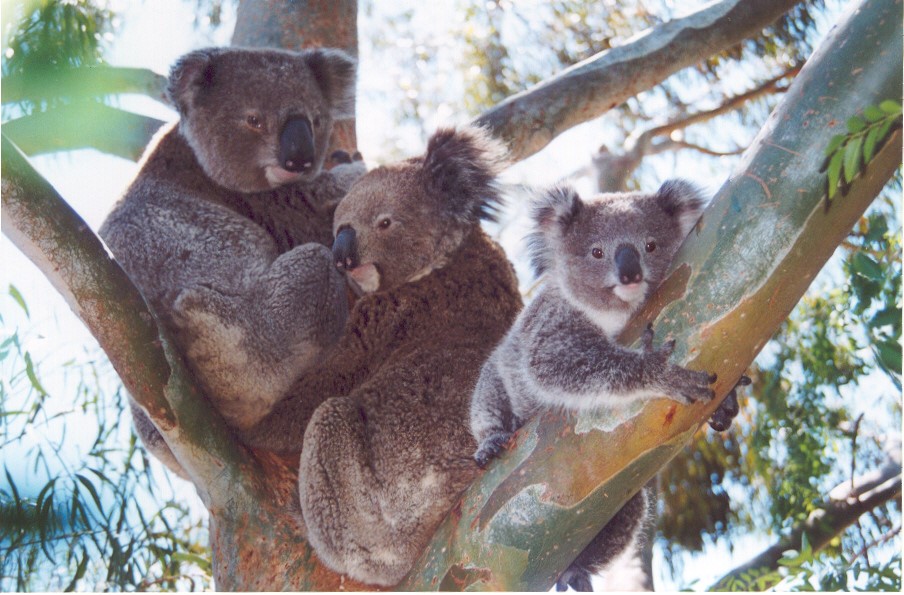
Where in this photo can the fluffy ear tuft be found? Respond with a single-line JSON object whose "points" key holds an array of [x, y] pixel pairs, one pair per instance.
{"points": [[554, 211], [334, 71], [460, 169], [190, 74], [684, 200]]}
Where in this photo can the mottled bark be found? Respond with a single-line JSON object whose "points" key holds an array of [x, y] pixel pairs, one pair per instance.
{"points": [[758, 246]]}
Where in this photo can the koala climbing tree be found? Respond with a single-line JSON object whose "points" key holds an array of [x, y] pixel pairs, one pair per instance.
{"points": [[718, 307]]}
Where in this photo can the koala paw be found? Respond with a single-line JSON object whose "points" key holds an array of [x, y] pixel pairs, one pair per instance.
{"points": [[729, 408], [490, 448], [680, 384]]}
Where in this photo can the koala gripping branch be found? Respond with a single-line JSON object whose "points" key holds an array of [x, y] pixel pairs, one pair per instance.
{"points": [[766, 235]]}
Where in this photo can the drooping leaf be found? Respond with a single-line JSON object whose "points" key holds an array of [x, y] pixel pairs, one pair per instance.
{"points": [[855, 124], [869, 144], [852, 158], [834, 172]]}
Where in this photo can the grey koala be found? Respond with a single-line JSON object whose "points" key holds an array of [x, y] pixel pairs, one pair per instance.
{"points": [[603, 258], [388, 452], [226, 226]]}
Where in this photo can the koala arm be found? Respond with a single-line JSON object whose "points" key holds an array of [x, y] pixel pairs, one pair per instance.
{"points": [[572, 364], [374, 330]]}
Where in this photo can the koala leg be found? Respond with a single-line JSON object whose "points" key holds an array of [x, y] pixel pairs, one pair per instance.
{"points": [[153, 441], [619, 534], [492, 420], [275, 330], [341, 497]]}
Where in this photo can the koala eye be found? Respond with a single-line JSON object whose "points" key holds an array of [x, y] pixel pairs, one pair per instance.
{"points": [[316, 122], [597, 253], [651, 245], [384, 223], [254, 122]]}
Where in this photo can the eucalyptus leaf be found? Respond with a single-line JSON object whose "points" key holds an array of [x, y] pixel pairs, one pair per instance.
{"points": [[834, 172], [852, 156], [869, 144]]}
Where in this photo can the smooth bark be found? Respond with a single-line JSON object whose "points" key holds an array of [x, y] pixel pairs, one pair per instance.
{"points": [[529, 120]]}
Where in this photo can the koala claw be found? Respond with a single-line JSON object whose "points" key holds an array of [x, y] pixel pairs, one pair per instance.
{"points": [[729, 408], [490, 448], [691, 386], [579, 580], [340, 156]]}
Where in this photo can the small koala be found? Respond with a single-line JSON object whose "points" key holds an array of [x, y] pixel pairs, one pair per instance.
{"points": [[226, 227], [603, 258], [385, 457]]}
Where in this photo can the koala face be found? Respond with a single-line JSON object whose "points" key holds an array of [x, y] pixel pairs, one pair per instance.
{"points": [[609, 253], [257, 119], [400, 222]]}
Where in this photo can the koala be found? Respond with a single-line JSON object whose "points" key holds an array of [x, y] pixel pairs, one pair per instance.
{"points": [[225, 229], [386, 455], [603, 258]]}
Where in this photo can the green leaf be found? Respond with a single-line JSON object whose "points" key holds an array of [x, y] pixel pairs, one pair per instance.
{"points": [[890, 355], [865, 266], [855, 124], [32, 377], [852, 158], [834, 172], [890, 106], [199, 561], [869, 144], [91, 490], [873, 113], [888, 316], [834, 143], [19, 299]]}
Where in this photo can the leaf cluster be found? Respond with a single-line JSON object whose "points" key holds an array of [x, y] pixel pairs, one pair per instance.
{"points": [[849, 153], [94, 522]]}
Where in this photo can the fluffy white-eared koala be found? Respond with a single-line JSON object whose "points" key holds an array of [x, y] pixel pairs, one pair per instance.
{"points": [[603, 258], [387, 454], [226, 227]]}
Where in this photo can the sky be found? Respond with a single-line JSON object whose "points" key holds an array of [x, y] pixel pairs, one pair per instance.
{"points": [[153, 35]]}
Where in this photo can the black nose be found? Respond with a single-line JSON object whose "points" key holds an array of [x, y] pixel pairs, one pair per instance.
{"points": [[345, 249], [627, 260], [296, 144]]}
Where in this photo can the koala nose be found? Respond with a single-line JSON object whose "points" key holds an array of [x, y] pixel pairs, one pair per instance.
{"points": [[345, 248], [627, 261], [296, 144]]}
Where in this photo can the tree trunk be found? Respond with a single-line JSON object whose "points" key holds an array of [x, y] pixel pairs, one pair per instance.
{"points": [[758, 246]]}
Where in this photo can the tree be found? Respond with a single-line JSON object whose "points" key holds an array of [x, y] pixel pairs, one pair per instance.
{"points": [[256, 544]]}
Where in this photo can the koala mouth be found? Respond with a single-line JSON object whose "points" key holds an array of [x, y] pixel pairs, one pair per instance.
{"points": [[631, 293], [364, 278], [278, 176]]}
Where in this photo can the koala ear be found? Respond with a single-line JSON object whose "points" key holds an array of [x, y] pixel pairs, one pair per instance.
{"points": [[190, 74], [334, 71], [684, 200], [460, 169], [554, 211]]}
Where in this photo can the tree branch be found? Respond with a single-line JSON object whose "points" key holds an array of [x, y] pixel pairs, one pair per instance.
{"points": [[755, 251], [87, 124], [823, 525], [80, 83], [529, 120]]}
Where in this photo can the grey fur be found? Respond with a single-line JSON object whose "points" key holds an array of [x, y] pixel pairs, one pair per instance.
{"points": [[561, 352], [229, 249], [387, 454]]}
